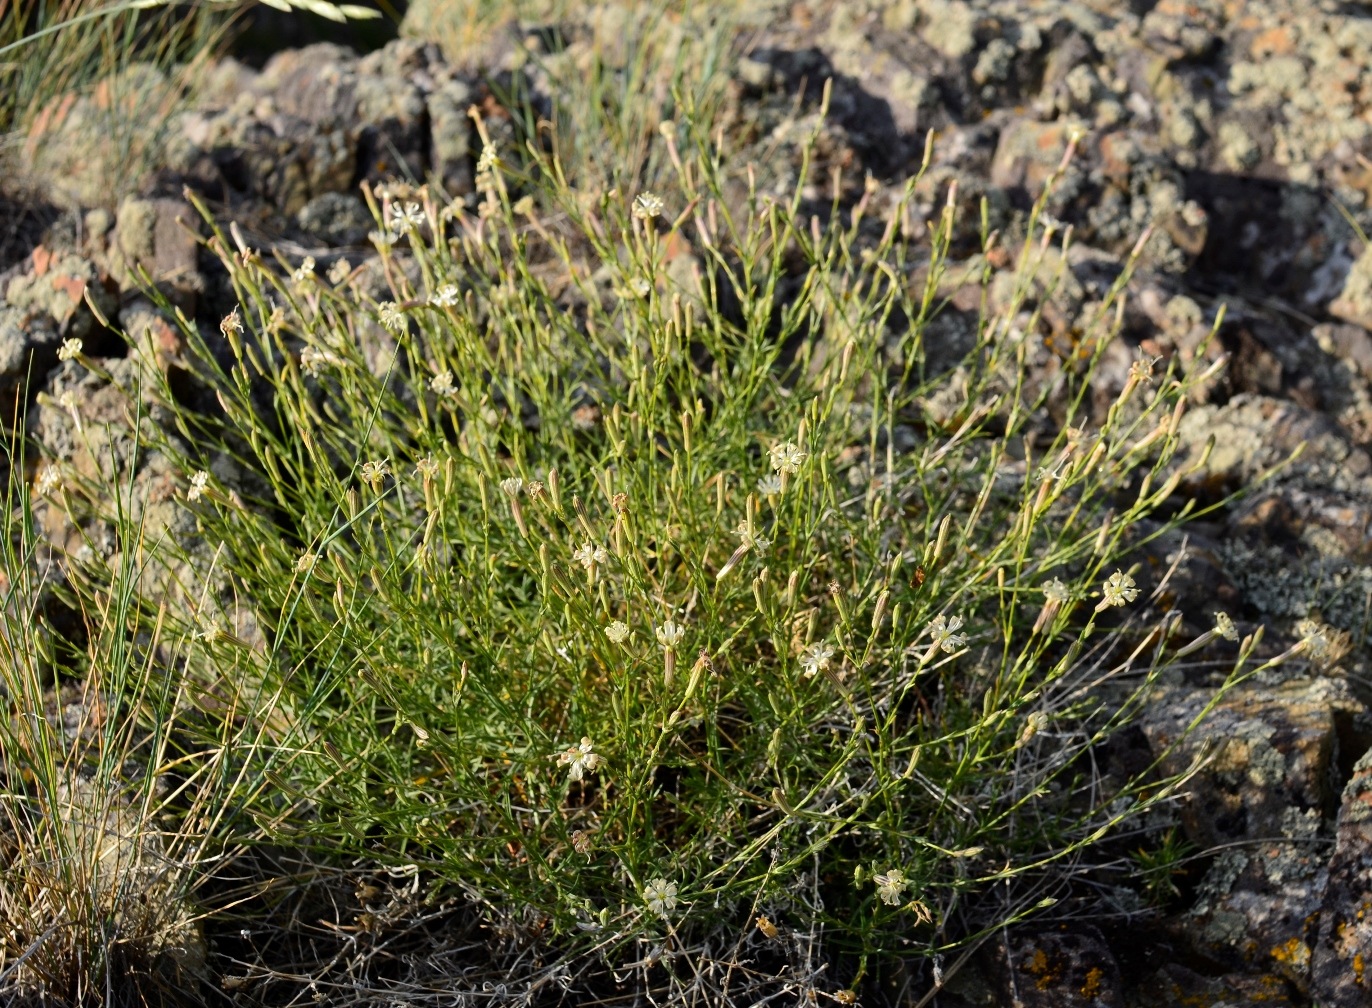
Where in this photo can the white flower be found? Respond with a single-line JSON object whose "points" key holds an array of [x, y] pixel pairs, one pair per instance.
{"points": [[382, 239], [660, 896], [199, 482], [787, 457], [305, 271], [391, 316], [375, 472], [751, 540], [512, 485], [618, 632], [306, 562], [426, 467], [1323, 643], [208, 626], [313, 361], [769, 485], [670, 633], [442, 383], [945, 632], [1056, 591], [590, 554], [816, 658], [1224, 626], [579, 759], [487, 161], [445, 297], [406, 218], [69, 350], [48, 481], [232, 322], [339, 271], [647, 205], [891, 886], [1119, 589]]}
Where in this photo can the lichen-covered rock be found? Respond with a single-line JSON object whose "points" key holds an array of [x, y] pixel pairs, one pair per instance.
{"points": [[90, 148], [55, 284], [336, 218], [155, 240], [86, 421], [1342, 954], [1061, 968], [28, 345], [1271, 751], [1175, 985], [320, 120], [1354, 303], [1262, 797]]}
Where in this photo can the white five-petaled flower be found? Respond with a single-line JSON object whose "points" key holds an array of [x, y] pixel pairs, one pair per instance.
{"points": [[374, 472], [427, 467], [660, 896], [891, 886], [945, 632], [670, 633], [512, 485], [1224, 626], [579, 759], [442, 383], [1119, 589], [407, 217], [590, 554], [69, 350], [382, 239], [647, 205], [1055, 591], [787, 457], [391, 316], [340, 271], [305, 271], [305, 563], [816, 658], [199, 482], [769, 485], [445, 297], [618, 632]]}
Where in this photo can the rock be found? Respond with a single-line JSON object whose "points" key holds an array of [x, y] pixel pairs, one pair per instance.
{"points": [[1354, 303], [1342, 954], [1263, 798], [319, 120], [28, 346], [1253, 433], [450, 136], [336, 219], [86, 421], [1028, 152], [1061, 968], [91, 148], [1275, 747], [55, 285], [1175, 985], [157, 239]]}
